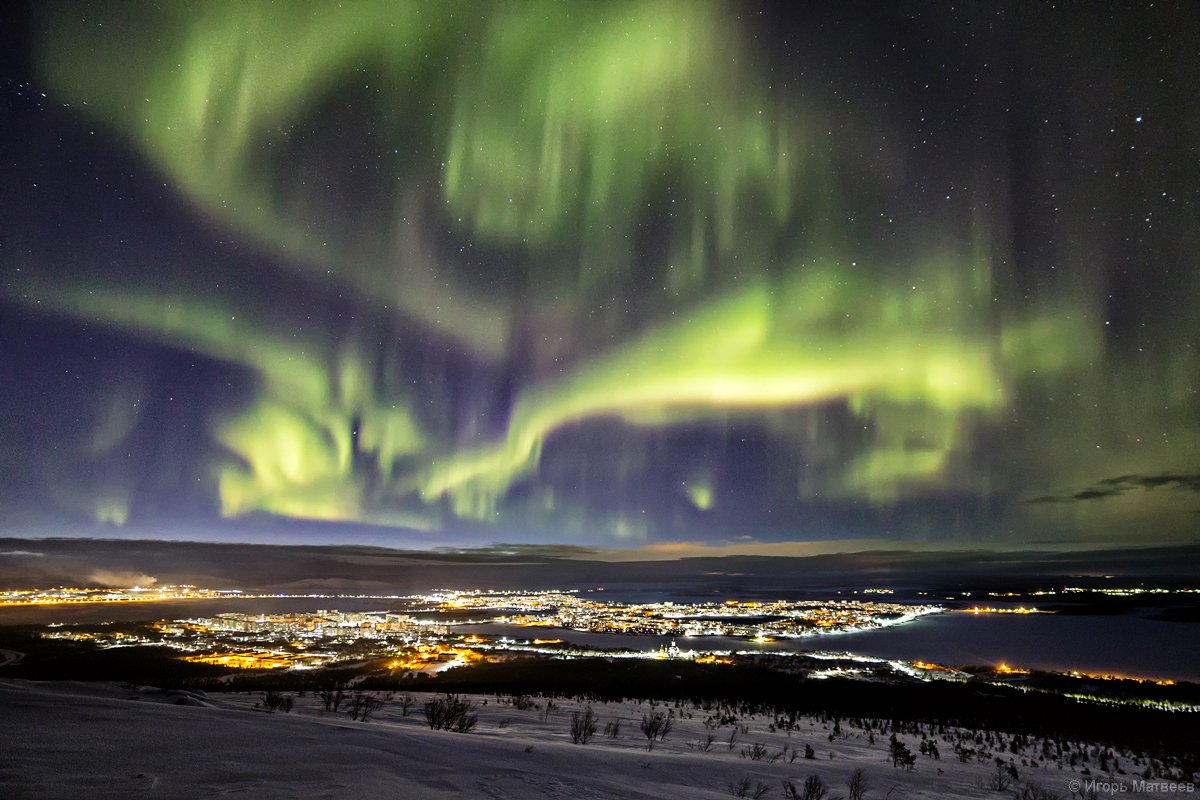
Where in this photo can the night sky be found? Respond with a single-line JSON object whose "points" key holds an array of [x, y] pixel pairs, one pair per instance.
{"points": [[614, 274]]}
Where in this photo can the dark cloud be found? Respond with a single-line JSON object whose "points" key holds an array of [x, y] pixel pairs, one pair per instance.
{"points": [[1095, 494], [1111, 487]]}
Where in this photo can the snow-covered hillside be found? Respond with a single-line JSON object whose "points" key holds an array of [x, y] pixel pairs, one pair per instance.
{"points": [[83, 740]]}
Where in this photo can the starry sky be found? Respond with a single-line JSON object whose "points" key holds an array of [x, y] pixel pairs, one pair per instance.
{"points": [[607, 274]]}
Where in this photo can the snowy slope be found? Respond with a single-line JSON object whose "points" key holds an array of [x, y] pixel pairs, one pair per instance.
{"points": [[78, 740]]}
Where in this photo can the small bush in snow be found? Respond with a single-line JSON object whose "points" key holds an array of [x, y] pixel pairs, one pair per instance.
{"points": [[583, 726], [747, 788], [451, 713], [814, 789], [655, 726], [857, 785]]}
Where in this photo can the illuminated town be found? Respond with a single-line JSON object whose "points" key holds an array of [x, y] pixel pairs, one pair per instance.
{"points": [[1003, 610], [758, 620], [429, 633], [66, 595], [419, 635]]}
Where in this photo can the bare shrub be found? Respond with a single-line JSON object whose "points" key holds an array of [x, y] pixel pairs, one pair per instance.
{"points": [[274, 701], [583, 726], [451, 713], [655, 727], [333, 696], [999, 780], [363, 705], [748, 788], [814, 789], [755, 752], [856, 786]]}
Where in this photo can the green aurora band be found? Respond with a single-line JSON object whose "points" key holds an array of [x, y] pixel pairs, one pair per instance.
{"points": [[644, 200]]}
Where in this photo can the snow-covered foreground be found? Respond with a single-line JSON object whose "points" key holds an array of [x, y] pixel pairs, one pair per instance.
{"points": [[82, 740]]}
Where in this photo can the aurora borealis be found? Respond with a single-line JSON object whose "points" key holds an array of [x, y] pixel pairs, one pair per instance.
{"points": [[609, 274]]}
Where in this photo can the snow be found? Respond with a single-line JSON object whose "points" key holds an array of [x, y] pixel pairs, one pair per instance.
{"points": [[104, 740]]}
